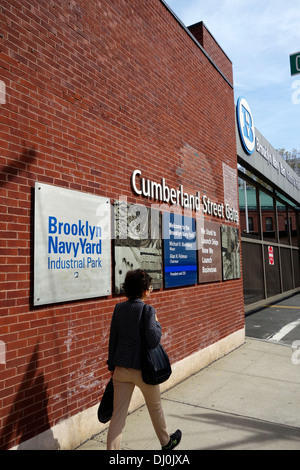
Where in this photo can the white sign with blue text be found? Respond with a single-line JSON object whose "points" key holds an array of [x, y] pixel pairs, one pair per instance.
{"points": [[72, 245]]}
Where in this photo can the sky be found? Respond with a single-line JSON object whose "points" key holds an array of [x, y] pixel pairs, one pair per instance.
{"points": [[258, 36]]}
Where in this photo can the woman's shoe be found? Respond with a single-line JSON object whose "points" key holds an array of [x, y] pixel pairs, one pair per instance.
{"points": [[174, 441]]}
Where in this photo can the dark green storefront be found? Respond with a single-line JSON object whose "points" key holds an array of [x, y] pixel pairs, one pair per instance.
{"points": [[269, 202]]}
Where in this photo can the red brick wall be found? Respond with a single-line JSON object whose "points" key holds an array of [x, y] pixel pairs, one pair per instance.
{"points": [[213, 49], [95, 90]]}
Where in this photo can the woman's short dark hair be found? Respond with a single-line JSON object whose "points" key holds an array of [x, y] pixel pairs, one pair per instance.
{"points": [[136, 282]]}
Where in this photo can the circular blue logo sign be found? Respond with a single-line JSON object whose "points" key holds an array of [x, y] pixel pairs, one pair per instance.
{"points": [[246, 125]]}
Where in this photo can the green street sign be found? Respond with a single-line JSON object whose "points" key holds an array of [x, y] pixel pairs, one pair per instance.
{"points": [[295, 63]]}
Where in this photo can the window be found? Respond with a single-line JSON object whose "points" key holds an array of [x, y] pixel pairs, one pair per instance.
{"points": [[269, 224], [282, 223], [249, 219], [268, 216], [272, 221], [252, 272]]}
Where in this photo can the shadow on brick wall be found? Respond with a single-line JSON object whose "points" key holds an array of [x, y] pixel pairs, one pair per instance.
{"points": [[13, 170], [28, 414]]}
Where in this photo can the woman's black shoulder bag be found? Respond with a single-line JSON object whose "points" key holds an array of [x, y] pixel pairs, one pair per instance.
{"points": [[156, 367], [106, 407]]}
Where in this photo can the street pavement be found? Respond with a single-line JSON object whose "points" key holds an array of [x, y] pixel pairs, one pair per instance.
{"points": [[279, 322], [247, 400]]}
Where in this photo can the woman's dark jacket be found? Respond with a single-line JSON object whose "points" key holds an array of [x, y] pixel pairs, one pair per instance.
{"points": [[125, 333]]}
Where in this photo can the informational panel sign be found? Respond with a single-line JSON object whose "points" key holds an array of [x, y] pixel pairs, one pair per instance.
{"points": [[138, 242], [209, 252], [180, 259], [230, 253], [72, 245]]}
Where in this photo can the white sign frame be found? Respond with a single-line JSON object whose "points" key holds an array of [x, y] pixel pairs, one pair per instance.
{"points": [[72, 245]]}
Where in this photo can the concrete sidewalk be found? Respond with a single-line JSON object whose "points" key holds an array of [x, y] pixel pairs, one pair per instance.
{"points": [[248, 399]]}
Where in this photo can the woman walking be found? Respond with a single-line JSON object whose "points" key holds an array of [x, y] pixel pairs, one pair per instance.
{"points": [[124, 360]]}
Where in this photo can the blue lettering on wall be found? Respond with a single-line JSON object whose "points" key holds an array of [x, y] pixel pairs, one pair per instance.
{"points": [[83, 229], [87, 242]]}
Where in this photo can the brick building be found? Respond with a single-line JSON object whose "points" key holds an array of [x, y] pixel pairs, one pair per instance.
{"points": [[93, 93]]}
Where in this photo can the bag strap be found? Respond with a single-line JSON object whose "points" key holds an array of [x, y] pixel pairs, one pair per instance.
{"points": [[142, 324]]}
